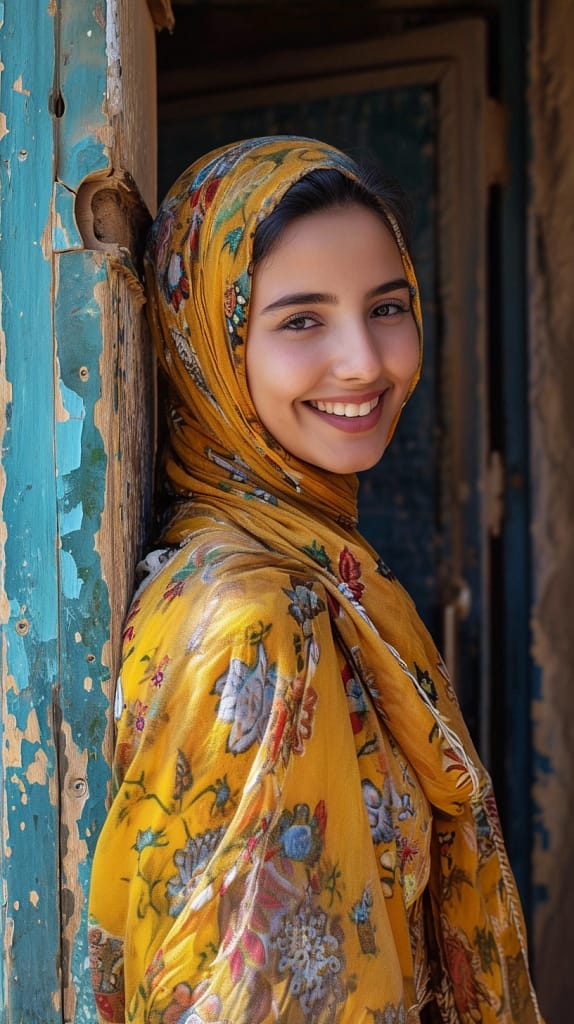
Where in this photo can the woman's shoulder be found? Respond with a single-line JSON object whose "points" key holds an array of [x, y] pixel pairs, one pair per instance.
{"points": [[222, 565]]}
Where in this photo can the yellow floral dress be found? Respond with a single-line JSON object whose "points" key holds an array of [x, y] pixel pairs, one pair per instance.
{"points": [[301, 829]]}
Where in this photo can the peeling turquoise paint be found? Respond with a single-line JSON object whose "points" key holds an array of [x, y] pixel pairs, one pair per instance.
{"points": [[30, 916], [83, 140], [65, 234], [84, 611], [54, 604]]}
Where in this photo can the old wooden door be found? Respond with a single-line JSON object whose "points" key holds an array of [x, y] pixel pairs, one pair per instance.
{"points": [[418, 102], [77, 172]]}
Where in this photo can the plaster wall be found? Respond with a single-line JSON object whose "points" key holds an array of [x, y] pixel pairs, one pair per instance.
{"points": [[551, 313]]}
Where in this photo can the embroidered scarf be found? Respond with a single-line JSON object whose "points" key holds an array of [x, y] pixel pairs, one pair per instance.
{"points": [[301, 827]]}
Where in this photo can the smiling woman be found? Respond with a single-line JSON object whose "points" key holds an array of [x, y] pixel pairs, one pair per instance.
{"points": [[331, 361], [301, 829]]}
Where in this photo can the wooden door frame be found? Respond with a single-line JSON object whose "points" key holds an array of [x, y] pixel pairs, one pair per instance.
{"points": [[72, 483]]}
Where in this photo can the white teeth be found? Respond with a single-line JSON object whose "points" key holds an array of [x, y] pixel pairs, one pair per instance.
{"points": [[349, 409]]}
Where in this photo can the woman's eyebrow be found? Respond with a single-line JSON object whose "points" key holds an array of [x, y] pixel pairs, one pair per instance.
{"points": [[388, 286], [310, 298], [300, 299]]}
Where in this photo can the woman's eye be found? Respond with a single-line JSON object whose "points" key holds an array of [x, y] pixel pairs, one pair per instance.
{"points": [[299, 322], [390, 308]]}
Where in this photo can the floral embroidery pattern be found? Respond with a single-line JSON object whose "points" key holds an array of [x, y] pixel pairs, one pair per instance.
{"points": [[246, 693], [299, 835], [234, 304], [379, 812], [464, 969], [286, 730], [176, 283], [361, 915], [106, 967], [310, 948], [350, 574], [193, 1006], [190, 863]]}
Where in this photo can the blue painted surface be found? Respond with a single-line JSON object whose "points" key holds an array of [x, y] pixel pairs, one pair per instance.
{"points": [[84, 136], [84, 603], [55, 603], [30, 612]]}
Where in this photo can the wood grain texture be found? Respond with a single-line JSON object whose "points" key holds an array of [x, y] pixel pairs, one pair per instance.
{"points": [[30, 915], [76, 415]]}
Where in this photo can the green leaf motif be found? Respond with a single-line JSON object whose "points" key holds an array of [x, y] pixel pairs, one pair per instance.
{"points": [[233, 239]]}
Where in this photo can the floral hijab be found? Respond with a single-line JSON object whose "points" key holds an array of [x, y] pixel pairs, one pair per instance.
{"points": [[201, 246], [301, 828]]}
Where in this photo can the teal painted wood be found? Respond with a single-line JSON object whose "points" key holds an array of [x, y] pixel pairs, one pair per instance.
{"points": [[54, 604], [83, 149], [82, 462], [29, 598], [84, 134]]}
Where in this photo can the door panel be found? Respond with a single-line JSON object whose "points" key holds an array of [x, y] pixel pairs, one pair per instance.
{"points": [[416, 103]]}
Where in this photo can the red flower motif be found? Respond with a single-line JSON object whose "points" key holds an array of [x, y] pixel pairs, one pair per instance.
{"points": [[350, 573], [463, 970], [277, 731], [180, 292], [407, 850], [200, 200], [163, 239], [173, 589], [334, 606], [129, 629], [303, 725], [128, 634], [104, 1005]]}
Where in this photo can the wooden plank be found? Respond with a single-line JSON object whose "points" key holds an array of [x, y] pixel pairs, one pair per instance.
{"points": [[102, 486], [106, 163], [75, 467], [162, 13], [28, 599]]}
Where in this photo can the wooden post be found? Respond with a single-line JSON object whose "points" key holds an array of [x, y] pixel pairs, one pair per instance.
{"points": [[77, 177]]}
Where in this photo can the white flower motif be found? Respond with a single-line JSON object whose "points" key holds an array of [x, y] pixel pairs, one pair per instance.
{"points": [[246, 699]]}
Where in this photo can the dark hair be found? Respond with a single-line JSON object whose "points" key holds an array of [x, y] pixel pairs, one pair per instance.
{"points": [[324, 188]]}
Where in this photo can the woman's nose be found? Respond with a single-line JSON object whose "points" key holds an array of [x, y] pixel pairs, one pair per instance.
{"points": [[358, 354]]}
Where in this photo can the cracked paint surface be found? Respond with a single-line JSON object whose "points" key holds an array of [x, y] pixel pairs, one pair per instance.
{"points": [[72, 478]]}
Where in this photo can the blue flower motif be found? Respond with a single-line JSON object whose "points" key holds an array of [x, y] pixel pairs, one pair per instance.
{"points": [[297, 842], [190, 863], [148, 837], [378, 812], [246, 700], [299, 833]]}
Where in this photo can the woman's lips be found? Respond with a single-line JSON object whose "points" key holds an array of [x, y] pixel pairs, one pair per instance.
{"points": [[351, 417], [345, 408]]}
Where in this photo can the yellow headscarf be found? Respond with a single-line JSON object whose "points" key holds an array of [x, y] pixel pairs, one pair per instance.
{"points": [[202, 247], [301, 830]]}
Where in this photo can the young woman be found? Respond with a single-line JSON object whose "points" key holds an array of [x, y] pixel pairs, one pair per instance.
{"points": [[301, 829]]}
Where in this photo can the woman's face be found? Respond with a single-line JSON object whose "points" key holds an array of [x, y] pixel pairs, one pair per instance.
{"points": [[332, 345]]}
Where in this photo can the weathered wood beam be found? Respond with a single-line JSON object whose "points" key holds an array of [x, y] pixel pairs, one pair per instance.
{"points": [[162, 13]]}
